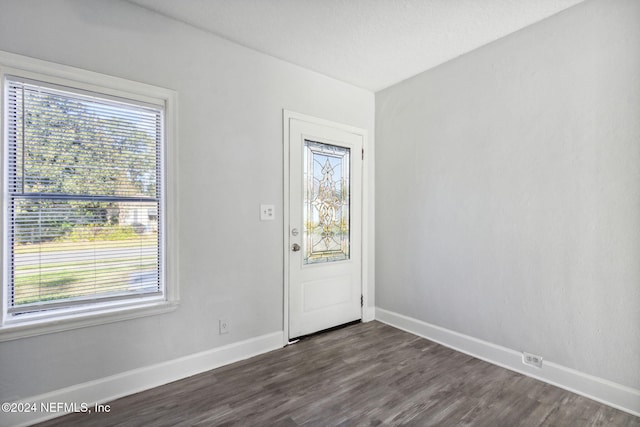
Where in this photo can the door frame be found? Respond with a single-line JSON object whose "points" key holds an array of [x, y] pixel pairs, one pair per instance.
{"points": [[287, 116]]}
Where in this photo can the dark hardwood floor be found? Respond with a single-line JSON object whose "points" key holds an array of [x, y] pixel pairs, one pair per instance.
{"points": [[366, 375]]}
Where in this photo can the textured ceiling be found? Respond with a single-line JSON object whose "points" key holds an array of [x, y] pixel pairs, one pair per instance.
{"points": [[368, 43]]}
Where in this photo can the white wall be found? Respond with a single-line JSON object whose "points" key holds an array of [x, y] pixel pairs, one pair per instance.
{"points": [[508, 189], [230, 160]]}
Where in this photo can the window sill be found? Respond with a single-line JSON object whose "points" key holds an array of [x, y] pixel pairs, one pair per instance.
{"points": [[34, 328]]}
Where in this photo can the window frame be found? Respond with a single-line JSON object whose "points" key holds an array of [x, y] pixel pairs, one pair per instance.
{"points": [[104, 312]]}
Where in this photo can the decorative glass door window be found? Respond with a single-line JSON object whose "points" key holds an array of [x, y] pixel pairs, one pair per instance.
{"points": [[326, 202]]}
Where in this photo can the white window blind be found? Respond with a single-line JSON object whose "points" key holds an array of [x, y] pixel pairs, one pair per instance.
{"points": [[84, 184]]}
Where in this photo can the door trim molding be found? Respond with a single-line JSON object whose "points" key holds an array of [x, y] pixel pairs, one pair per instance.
{"points": [[287, 116]]}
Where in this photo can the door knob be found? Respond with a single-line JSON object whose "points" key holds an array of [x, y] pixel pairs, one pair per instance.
{"points": [[295, 247]]}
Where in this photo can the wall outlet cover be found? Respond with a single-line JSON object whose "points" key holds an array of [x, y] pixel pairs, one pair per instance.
{"points": [[223, 325], [532, 360]]}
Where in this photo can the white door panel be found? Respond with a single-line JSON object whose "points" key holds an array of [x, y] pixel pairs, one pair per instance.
{"points": [[325, 232]]}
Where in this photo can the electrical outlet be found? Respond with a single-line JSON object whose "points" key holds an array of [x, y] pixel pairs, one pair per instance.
{"points": [[224, 326], [532, 360]]}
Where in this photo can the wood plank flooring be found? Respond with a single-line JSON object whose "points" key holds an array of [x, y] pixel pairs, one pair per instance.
{"points": [[367, 374]]}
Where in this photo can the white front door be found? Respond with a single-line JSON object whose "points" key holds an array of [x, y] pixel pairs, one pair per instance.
{"points": [[324, 232]]}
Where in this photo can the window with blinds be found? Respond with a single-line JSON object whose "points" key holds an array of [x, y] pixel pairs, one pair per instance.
{"points": [[84, 209]]}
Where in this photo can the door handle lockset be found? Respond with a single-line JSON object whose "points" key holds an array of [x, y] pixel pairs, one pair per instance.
{"points": [[295, 247]]}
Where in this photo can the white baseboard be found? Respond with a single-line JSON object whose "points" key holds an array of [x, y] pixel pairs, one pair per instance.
{"points": [[116, 386], [615, 395]]}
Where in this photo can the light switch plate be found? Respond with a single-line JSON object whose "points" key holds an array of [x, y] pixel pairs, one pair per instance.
{"points": [[267, 213]]}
